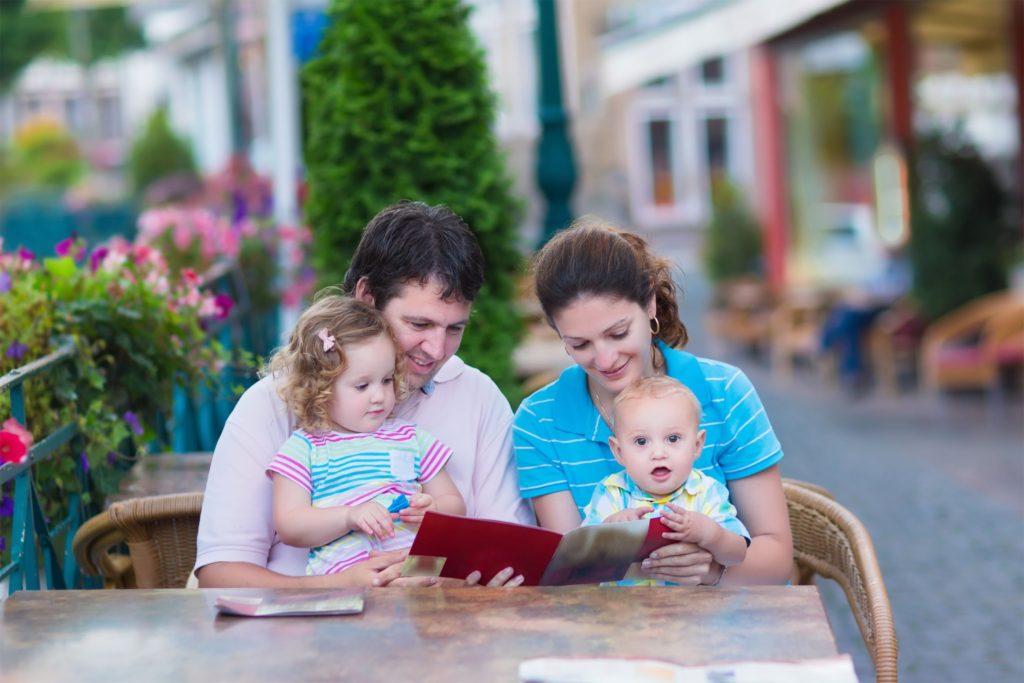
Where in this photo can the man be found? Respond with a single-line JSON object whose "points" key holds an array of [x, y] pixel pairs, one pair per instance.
{"points": [[421, 267]]}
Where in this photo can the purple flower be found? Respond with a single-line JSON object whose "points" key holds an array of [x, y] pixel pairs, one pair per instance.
{"points": [[241, 208], [97, 257], [6, 506], [84, 460], [26, 255], [16, 350], [224, 304], [5, 282], [111, 457], [63, 247], [133, 423], [3, 544]]}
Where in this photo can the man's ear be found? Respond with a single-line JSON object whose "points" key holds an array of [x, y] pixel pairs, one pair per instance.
{"points": [[362, 292], [613, 444]]}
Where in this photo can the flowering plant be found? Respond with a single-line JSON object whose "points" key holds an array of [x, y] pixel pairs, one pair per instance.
{"points": [[232, 219], [137, 333]]}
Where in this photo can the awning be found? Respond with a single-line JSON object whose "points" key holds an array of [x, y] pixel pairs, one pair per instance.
{"points": [[719, 28]]}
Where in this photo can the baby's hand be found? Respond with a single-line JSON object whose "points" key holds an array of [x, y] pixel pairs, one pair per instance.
{"points": [[372, 519], [693, 526], [629, 515], [418, 505]]}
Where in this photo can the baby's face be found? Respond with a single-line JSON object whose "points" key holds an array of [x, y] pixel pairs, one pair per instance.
{"points": [[657, 440]]}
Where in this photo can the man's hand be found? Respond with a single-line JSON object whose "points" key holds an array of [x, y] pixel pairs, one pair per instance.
{"points": [[504, 578], [629, 515], [419, 504], [385, 569], [372, 519]]}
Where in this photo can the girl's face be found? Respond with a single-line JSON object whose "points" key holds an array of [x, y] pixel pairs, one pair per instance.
{"points": [[364, 393], [609, 337]]}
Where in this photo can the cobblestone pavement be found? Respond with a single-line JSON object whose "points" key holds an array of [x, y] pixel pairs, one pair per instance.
{"points": [[941, 490]]}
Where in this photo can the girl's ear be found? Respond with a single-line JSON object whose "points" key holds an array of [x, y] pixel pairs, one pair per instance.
{"points": [[613, 444], [363, 291]]}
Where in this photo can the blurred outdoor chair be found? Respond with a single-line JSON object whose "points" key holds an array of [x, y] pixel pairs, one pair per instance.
{"points": [[161, 535], [741, 313], [829, 540], [894, 344], [796, 326], [969, 347]]}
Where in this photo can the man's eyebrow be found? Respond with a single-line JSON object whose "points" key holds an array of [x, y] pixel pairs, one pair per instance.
{"points": [[604, 331], [431, 321]]}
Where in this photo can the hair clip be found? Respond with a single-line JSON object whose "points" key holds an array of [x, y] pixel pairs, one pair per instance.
{"points": [[327, 338]]}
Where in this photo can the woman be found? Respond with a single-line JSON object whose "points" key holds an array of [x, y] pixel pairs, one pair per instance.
{"points": [[614, 306]]}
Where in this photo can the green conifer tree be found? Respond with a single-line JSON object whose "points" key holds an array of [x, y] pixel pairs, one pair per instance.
{"points": [[397, 106]]}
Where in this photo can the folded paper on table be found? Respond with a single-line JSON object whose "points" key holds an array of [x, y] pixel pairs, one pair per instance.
{"points": [[340, 601], [838, 669], [451, 546]]}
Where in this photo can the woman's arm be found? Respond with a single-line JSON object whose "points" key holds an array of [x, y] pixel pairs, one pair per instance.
{"points": [[761, 504], [557, 511]]}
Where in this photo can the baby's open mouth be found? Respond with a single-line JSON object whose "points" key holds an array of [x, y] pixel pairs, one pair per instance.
{"points": [[660, 472]]}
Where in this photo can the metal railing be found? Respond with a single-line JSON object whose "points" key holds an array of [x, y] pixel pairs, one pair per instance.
{"points": [[33, 537]]}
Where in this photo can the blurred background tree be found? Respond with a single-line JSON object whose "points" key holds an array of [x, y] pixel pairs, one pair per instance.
{"points": [[960, 234], [733, 243], [159, 153], [44, 155], [398, 106]]}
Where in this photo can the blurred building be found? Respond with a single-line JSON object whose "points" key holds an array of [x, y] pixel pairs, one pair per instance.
{"points": [[839, 90]]}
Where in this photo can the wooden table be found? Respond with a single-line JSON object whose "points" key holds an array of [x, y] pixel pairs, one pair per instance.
{"points": [[421, 635]]}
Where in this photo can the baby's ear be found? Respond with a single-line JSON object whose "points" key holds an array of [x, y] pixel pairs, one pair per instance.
{"points": [[701, 436], [613, 444]]}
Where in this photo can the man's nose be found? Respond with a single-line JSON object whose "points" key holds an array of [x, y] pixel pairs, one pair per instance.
{"points": [[433, 343]]}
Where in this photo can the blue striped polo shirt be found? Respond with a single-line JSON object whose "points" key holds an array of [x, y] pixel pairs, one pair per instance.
{"points": [[561, 441]]}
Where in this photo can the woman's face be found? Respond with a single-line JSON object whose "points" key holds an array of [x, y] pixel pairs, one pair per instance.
{"points": [[609, 337]]}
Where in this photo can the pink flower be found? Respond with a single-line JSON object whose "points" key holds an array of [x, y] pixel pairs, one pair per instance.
{"points": [[189, 277], [12, 450], [14, 427]]}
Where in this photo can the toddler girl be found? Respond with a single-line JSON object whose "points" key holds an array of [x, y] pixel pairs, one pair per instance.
{"points": [[348, 480]]}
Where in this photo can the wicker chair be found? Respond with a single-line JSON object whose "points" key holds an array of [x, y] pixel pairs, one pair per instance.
{"points": [[93, 550], [828, 540], [161, 535]]}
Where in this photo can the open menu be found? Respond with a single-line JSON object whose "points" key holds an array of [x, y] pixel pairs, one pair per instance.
{"points": [[340, 601], [452, 546], [838, 669]]}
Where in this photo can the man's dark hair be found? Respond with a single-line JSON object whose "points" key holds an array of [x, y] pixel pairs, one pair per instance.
{"points": [[412, 242]]}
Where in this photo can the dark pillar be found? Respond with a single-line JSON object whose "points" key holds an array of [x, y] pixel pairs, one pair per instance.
{"points": [[556, 169]]}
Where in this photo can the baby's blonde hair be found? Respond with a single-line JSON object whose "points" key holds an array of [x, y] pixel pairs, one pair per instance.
{"points": [[658, 386], [306, 372]]}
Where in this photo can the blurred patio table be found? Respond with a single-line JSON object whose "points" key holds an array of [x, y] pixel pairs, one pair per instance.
{"points": [[404, 634], [164, 473]]}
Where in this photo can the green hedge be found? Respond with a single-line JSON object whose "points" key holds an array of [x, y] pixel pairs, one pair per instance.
{"points": [[397, 106]]}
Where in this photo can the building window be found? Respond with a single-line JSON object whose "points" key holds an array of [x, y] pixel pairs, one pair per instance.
{"points": [[660, 146], [110, 117], [716, 146], [712, 71], [74, 115]]}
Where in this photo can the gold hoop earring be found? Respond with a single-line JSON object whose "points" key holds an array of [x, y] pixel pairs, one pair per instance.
{"points": [[655, 326]]}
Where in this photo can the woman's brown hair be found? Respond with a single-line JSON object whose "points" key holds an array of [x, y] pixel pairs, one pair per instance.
{"points": [[593, 258], [306, 371]]}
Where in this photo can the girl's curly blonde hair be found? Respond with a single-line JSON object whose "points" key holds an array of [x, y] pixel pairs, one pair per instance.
{"points": [[306, 372]]}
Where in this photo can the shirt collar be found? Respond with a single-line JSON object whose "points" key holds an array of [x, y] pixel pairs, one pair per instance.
{"points": [[623, 481]]}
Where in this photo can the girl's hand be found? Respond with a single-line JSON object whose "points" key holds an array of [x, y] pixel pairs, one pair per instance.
{"points": [[629, 515], [506, 578], [418, 505], [372, 519]]}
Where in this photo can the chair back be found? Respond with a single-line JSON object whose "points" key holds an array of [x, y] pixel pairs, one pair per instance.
{"points": [[829, 541], [161, 534]]}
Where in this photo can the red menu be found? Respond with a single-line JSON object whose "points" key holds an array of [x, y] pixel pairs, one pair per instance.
{"points": [[451, 546]]}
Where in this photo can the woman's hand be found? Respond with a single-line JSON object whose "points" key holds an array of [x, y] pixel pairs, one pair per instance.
{"points": [[419, 504], [506, 578]]}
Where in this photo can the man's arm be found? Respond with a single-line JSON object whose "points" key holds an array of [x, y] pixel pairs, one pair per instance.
{"points": [[379, 570]]}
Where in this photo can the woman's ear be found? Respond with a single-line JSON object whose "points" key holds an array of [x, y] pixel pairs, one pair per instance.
{"points": [[362, 292], [652, 307]]}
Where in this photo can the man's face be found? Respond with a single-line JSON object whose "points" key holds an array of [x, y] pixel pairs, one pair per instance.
{"points": [[428, 328]]}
